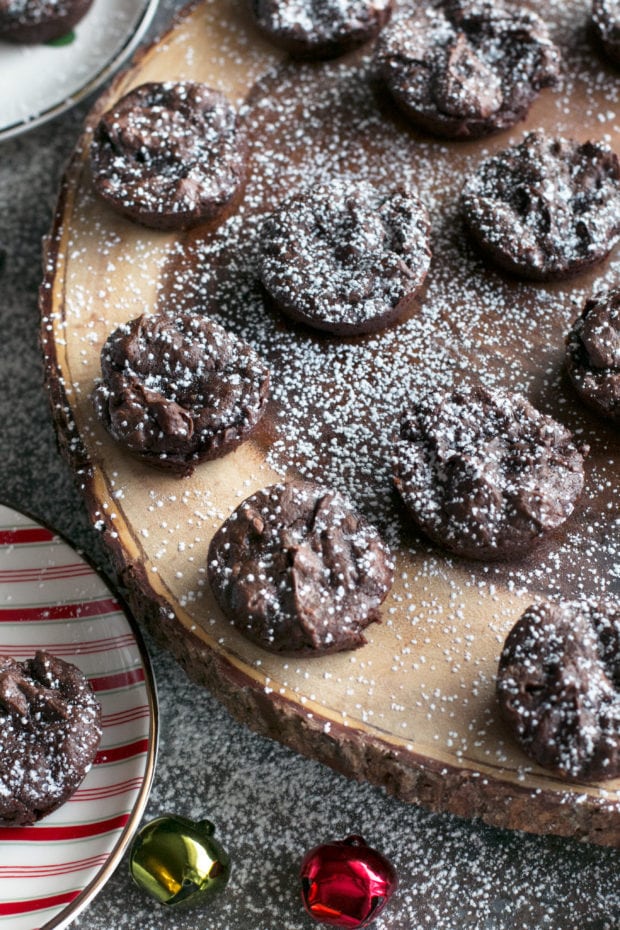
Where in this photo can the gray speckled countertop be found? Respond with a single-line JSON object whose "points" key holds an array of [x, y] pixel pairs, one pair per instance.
{"points": [[269, 804]]}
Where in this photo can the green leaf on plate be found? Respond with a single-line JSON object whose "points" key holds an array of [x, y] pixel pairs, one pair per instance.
{"points": [[67, 39]]}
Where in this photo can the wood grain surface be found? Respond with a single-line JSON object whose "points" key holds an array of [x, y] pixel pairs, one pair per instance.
{"points": [[414, 710]]}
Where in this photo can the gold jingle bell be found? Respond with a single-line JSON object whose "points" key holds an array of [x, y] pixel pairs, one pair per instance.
{"points": [[178, 862]]}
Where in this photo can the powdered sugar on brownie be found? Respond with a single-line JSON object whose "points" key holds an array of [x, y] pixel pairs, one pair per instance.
{"points": [[36, 21], [466, 68], [179, 389], [606, 20], [320, 28], [593, 354], [558, 687], [169, 155], [49, 733], [298, 571], [485, 474], [546, 208], [345, 257]]}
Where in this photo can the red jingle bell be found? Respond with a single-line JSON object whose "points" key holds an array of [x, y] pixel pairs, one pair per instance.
{"points": [[346, 883]]}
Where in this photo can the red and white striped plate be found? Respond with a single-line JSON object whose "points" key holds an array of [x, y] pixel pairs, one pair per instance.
{"points": [[50, 598]]}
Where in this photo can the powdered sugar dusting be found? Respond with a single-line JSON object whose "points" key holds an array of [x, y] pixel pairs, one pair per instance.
{"points": [[485, 474], [471, 323], [298, 571], [547, 207], [557, 686], [465, 69], [344, 258], [50, 726], [320, 27], [428, 671]]}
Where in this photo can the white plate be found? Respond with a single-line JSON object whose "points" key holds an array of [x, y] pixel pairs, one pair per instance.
{"points": [[38, 82], [50, 598]]}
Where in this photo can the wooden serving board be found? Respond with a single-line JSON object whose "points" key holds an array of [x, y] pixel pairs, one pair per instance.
{"points": [[414, 710]]}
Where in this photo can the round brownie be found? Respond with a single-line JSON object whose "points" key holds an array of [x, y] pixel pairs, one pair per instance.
{"points": [[177, 390], [297, 570], [320, 28], [593, 354], [169, 155], [32, 21], [546, 208], [345, 257], [485, 474], [558, 685], [606, 21], [50, 729], [466, 68]]}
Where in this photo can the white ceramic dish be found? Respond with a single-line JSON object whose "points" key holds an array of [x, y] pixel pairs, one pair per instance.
{"points": [[50, 598], [37, 82]]}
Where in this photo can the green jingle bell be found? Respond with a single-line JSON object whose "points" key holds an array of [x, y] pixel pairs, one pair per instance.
{"points": [[178, 862]]}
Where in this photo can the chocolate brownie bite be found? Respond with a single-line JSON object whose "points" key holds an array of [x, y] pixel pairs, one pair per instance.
{"points": [[558, 686], [50, 729], [345, 257], [593, 354], [170, 156], [546, 208], [320, 28], [298, 571], [606, 22], [33, 21], [178, 390], [485, 474], [462, 69]]}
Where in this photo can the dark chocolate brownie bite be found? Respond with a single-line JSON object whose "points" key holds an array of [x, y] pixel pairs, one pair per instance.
{"points": [[50, 730], [546, 208], [606, 21], [462, 69], [298, 571], [558, 686], [593, 354], [345, 257], [178, 390], [170, 156], [320, 28], [33, 21], [485, 474]]}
